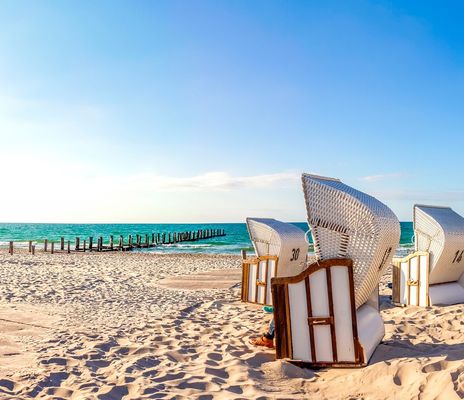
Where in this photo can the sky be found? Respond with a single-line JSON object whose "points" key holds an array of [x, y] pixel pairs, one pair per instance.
{"points": [[209, 111]]}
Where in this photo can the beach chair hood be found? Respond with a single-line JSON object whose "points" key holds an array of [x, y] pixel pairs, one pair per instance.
{"points": [[440, 232], [275, 238]]}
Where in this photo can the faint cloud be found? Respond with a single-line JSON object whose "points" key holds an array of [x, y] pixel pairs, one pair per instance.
{"points": [[382, 177], [216, 196], [210, 181]]}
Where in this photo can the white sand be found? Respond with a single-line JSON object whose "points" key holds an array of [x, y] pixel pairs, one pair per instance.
{"points": [[108, 326]]}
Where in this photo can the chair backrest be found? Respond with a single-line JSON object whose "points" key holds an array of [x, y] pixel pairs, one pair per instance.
{"points": [[275, 238], [440, 232], [347, 223]]}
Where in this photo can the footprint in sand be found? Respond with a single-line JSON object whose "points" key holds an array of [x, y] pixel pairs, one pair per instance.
{"points": [[7, 384], [175, 356], [219, 372], [94, 365], [116, 392], [142, 364], [53, 380], [211, 363], [215, 356], [170, 377], [407, 375], [235, 389], [436, 366], [59, 392], [106, 346], [59, 361]]}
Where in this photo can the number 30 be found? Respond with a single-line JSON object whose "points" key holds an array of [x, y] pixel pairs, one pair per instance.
{"points": [[295, 254]]}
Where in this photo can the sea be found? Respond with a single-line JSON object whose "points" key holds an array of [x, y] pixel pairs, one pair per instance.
{"points": [[235, 240]]}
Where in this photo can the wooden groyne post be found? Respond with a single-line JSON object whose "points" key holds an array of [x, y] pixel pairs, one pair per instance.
{"points": [[142, 241]]}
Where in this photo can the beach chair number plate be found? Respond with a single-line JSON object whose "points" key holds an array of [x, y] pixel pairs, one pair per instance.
{"points": [[458, 257], [295, 254]]}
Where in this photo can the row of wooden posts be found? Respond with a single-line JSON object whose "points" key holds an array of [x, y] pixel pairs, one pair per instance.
{"points": [[140, 242]]}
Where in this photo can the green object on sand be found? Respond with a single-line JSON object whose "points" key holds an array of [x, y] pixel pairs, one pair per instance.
{"points": [[268, 309]]}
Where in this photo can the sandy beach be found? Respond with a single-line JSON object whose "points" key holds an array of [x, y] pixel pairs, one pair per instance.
{"points": [[134, 326]]}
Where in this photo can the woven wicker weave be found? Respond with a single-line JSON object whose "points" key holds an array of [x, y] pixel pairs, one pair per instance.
{"points": [[440, 231], [276, 238], [345, 222]]}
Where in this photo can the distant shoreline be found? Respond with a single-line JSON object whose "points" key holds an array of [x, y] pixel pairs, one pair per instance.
{"points": [[236, 238]]}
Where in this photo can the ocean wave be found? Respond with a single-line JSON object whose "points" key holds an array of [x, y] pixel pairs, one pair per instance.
{"points": [[21, 245], [185, 245]]}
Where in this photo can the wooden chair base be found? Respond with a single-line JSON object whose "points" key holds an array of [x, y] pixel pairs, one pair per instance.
{"points": [[317, 324], [257, 273]]}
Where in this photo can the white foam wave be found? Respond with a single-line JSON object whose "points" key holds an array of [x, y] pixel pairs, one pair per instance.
{"points": [[187, 246], [21, 245]]}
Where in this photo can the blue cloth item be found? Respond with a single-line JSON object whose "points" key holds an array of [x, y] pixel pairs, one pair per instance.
{"points": [[271, 330]]}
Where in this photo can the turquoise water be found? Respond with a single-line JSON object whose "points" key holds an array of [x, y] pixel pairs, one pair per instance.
{"points": [[236, 235]]}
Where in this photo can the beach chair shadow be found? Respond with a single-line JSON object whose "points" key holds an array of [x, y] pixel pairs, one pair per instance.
{"points": [[395, 349]]}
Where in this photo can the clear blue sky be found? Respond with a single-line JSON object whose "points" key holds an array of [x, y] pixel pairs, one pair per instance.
{"points": [[178, 111]]}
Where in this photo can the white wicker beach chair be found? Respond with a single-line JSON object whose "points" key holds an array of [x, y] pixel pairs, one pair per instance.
{"points": [[281, 250], [328, 315], [434, 273]]}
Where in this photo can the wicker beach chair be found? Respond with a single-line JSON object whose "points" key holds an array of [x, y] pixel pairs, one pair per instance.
{"points": [[281, 250], [434, 273], [328, 315]]}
